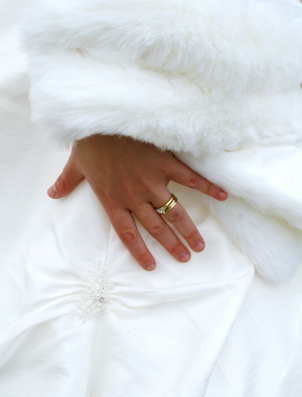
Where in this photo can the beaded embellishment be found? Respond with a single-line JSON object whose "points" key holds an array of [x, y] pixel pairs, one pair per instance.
{"points": [[93, 299]]}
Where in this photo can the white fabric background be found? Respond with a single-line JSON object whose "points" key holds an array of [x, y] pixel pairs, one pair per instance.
{"points": [[211, 327]]}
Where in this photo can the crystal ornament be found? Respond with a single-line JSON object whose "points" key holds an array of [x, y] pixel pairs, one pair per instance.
{"points": [[93, 299]]}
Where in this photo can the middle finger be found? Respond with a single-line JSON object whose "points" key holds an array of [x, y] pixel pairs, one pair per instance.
{"points": [[160, 230]]}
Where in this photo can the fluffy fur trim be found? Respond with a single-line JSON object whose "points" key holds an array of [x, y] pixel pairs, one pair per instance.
{"points": [[73, 97], [238, 45], [200, 75], [268, 179], [262, 214], [273, 246]]}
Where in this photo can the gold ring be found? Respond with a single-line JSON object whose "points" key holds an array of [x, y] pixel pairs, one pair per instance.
{"points": [[168, 206]]}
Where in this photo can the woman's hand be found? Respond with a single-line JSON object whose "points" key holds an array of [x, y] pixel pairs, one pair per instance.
{"points": [[129, 176]]}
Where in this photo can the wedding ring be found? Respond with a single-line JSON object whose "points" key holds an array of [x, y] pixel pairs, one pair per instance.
{"points": [[168, 206]]}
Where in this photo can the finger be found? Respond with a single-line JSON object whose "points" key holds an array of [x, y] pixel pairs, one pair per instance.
{"points": [[161, 231], [182, 174], [126, 229], [184, 224], [69, 179]]}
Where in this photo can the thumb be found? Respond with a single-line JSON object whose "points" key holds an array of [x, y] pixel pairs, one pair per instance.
{"points": [[70, 178]]}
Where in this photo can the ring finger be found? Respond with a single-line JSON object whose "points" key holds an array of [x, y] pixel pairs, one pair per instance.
{"points": [[160, 230]]}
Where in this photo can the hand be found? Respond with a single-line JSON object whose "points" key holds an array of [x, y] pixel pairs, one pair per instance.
{"points": [[129, 176]]}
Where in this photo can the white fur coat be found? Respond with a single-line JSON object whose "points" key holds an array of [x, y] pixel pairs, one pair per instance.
{"points": [[203, 78]]}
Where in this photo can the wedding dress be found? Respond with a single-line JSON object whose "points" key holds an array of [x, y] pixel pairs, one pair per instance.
{"points": [[216, 82]]}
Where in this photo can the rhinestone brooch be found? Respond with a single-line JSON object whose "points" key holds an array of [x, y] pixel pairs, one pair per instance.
{"points": [[93, 299]]}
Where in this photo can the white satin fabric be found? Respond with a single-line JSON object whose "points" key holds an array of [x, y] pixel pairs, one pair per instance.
{"points": [[210, 328]]}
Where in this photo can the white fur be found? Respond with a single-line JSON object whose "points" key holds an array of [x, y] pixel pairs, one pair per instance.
{"points": [[200, 76], [273, 246], [269, 179], [238, 45], [197, 77], [263, 213], [73, 97]]}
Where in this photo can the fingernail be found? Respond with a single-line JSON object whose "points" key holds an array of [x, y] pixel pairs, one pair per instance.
{"points": [[150, 266], [199, 246], [222, 194], [184, 257], [52, 191]]}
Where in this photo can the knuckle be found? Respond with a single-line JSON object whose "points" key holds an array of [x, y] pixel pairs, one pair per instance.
{"points": [[211, 187], [148, 186], [158, 231], [176, 216], [61, 183], [193, 236], [166, 166], [143, 258], [169, 163], [128, 237], [176, 249], [193, 182]]}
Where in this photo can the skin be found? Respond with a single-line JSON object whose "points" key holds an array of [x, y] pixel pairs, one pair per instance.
{"points": [[128, 177]]}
